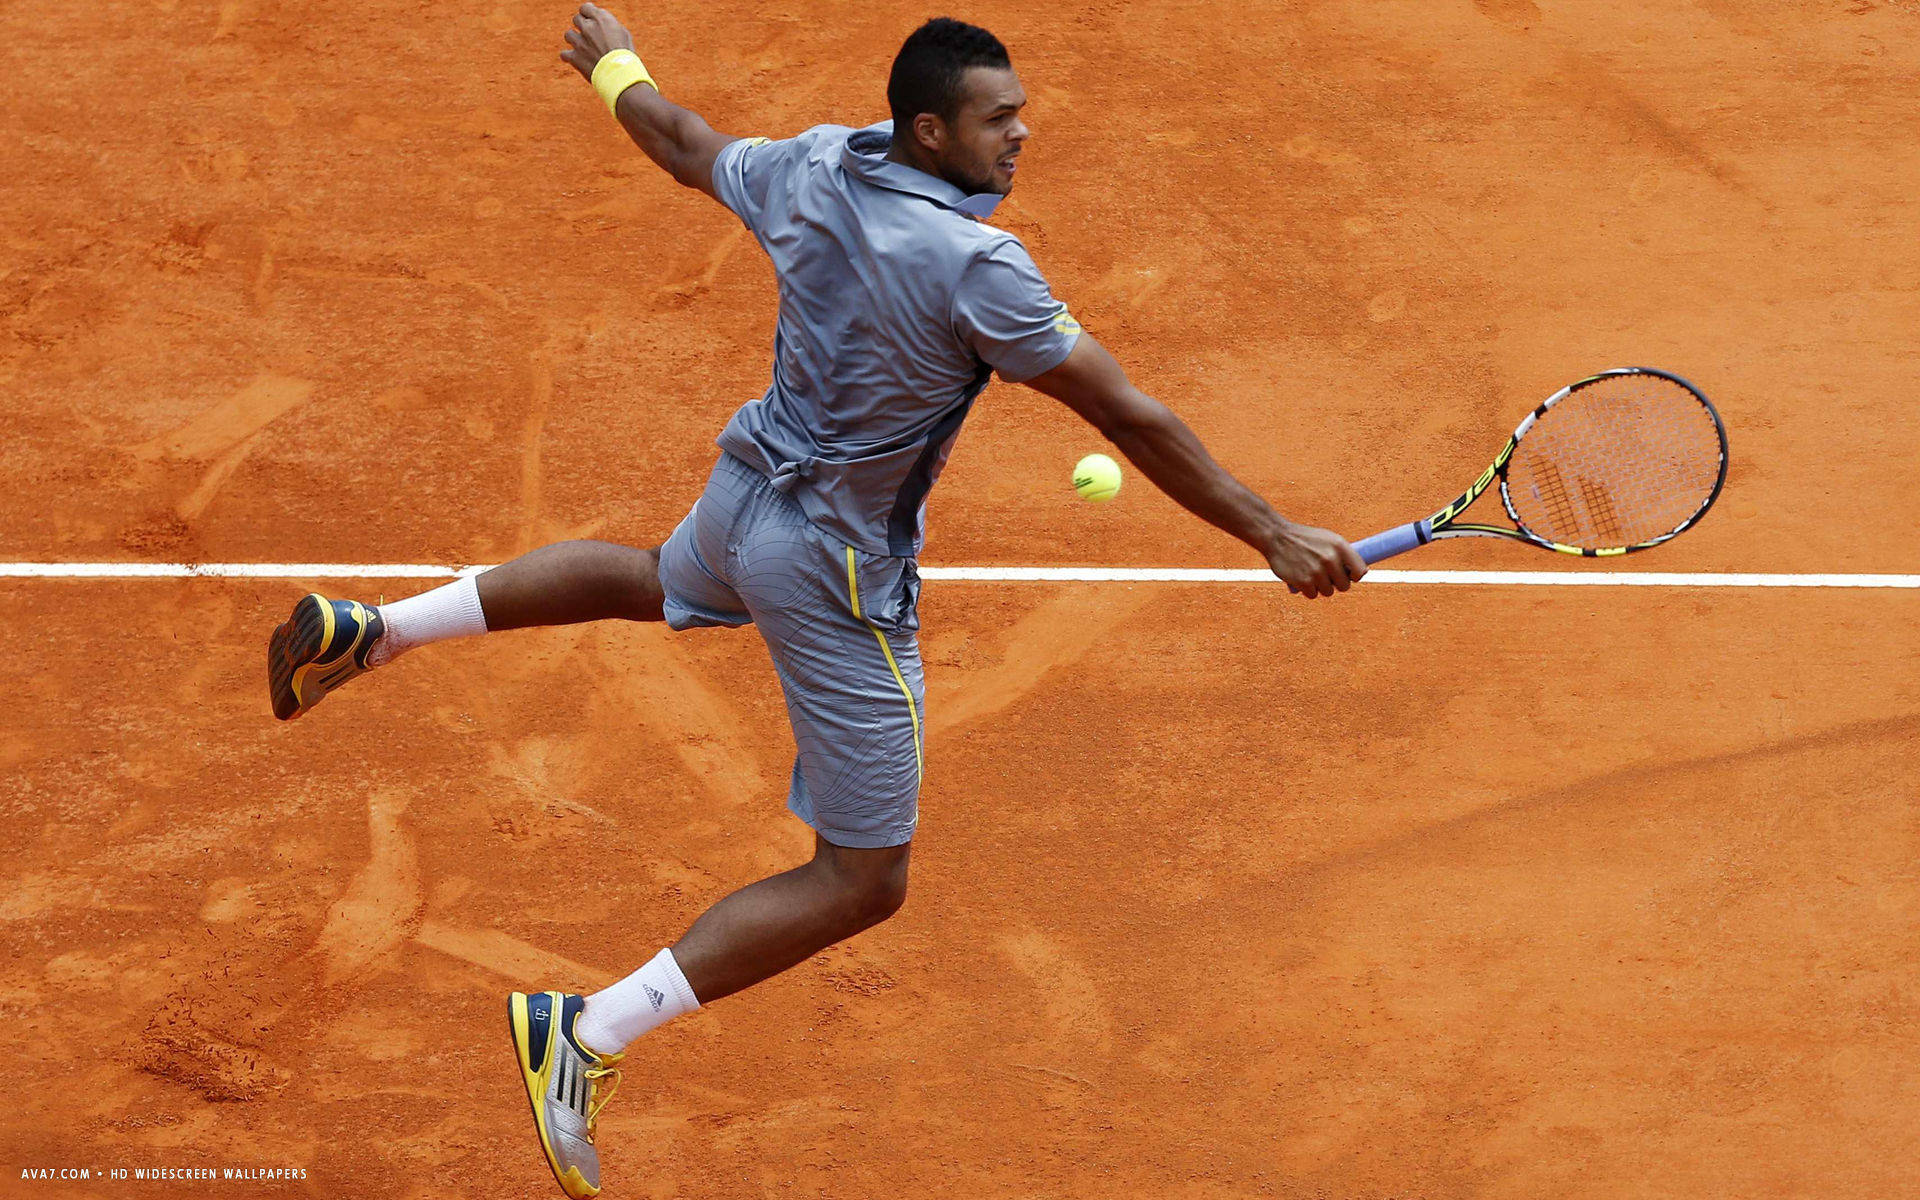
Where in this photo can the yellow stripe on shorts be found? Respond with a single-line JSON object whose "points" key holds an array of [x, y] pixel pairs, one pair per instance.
{"points": [[913, 710]]}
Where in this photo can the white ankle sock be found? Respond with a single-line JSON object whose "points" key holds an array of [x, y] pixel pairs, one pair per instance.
{"points": [[644, 1000], [445, 612]]}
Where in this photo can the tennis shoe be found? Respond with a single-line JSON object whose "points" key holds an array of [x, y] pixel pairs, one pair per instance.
{"points": [[563, 1084], [321, 646]]}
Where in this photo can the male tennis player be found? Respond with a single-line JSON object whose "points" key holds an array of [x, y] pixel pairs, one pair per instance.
{"points": [[896, 305]]}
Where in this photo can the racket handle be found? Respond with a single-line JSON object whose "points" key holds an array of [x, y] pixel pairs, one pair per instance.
{"points": [[1394, 541]]}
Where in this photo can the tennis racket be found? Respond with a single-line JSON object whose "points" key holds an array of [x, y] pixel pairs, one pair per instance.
{"points": [[1620, 461]]}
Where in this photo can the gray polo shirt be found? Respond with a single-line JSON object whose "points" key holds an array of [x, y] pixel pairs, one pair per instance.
{"points": [[896, 305]]}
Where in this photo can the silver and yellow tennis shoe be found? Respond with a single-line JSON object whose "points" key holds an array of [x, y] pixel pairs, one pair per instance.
{"points": [[563, 1084], [321, 646]]}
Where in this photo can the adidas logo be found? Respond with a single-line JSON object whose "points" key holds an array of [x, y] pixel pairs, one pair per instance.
{"points": [[657, 997]]}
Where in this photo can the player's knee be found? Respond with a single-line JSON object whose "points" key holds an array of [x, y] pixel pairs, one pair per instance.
{"points": [[873, 899], [884, 897], [646, 581], [870, 890]]}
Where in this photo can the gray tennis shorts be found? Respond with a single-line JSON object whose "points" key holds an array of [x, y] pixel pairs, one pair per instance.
{"points": [[842, 628]]}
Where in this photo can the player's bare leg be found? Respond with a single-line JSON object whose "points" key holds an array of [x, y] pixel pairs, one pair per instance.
{"points": [[766, 927], [751, 935], [570, 582]]}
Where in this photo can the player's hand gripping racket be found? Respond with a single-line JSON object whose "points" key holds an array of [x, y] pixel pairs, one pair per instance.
{"points": [[1618, 462]]}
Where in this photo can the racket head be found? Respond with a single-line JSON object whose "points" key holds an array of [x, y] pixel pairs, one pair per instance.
{"points": [[1618, 462]]}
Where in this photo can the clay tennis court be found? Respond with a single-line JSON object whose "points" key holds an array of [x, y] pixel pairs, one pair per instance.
{"points": [[1427, 891]]}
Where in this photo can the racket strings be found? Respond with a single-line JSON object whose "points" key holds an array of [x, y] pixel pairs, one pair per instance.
{"points": [[1624, 461], [1600, 506], [1553, 492]]}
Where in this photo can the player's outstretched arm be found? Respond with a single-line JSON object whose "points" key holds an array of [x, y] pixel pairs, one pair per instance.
{"points": [[1313, 562], [679, 141]]}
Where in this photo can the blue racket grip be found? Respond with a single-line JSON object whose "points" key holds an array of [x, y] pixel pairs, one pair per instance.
{"points": [[1383, 546]]}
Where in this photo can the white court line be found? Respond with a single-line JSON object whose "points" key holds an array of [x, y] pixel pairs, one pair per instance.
{"points": [[136, 570], [1389, 575]]}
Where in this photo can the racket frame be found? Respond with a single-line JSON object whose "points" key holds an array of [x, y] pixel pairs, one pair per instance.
{"points": [[1441, 523]]}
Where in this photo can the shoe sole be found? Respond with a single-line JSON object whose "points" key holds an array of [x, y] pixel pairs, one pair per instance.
{"points": [[518, 1024], [291, 651]]}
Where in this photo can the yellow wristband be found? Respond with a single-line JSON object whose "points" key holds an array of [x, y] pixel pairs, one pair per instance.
{"points": [[617, 71]]}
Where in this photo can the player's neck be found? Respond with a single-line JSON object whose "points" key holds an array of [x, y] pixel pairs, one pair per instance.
{"points": [[908, 155]]}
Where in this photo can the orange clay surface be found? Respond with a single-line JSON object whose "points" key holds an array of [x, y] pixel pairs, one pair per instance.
{"points": [[1422, 892]]}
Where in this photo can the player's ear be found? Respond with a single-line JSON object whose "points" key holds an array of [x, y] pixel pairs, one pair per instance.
{"points": [[930, 131]]}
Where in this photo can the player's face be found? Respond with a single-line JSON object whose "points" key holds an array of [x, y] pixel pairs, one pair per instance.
{"points": [[987, 133]]}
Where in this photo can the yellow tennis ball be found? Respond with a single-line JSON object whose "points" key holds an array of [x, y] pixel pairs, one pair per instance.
{"points": [[1097, 478]]}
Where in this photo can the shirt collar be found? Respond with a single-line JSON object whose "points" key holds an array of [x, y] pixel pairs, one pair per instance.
{"points": [[865, 157]]}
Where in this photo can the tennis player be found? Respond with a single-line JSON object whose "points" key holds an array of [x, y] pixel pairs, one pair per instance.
{"points": [[896, 305]]}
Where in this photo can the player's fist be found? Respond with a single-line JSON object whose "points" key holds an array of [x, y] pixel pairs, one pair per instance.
{"points": [[595, 33], [1315, 562]]}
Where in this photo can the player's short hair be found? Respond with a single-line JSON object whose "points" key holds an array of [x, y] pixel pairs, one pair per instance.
{"points": [[927, 71]]}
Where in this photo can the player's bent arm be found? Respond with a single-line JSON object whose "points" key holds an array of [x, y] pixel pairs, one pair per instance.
{"points": [[678, 140], [1313, 561]]}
